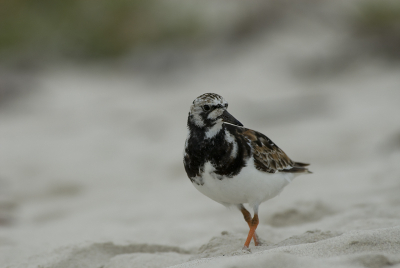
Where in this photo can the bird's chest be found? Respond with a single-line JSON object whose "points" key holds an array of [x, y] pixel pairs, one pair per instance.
{"points": [[198, 153], [215, 157]]}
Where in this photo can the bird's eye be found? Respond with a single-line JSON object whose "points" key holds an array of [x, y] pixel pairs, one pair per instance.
{"points": [[226, 105], [206, 108]]}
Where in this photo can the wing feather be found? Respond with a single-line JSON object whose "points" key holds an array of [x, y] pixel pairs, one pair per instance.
{"points": [[268, 157]]}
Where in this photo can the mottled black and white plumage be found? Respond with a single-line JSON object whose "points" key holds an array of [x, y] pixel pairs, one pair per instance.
{"points": [[231, 164]]}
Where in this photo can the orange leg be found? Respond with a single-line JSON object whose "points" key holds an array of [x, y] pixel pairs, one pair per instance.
{"points": [[247, 218], [252, 232]]}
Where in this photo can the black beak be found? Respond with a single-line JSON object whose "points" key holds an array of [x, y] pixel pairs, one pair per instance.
{"points": [[227, 117]]}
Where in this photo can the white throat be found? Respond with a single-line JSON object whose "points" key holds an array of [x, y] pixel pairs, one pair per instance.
{"points": [[214, 130]]}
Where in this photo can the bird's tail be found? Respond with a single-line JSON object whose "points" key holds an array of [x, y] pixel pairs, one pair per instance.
{"points": [[298, 168]]}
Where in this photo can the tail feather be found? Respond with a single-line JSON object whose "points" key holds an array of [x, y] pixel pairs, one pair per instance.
{"points": [[298, 168], [299, 164]]}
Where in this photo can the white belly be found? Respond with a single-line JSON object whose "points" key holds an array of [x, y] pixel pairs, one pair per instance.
{"points": [[249, 186]]}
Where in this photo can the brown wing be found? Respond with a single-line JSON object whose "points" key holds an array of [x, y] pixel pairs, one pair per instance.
{"points": [[268, 157]]}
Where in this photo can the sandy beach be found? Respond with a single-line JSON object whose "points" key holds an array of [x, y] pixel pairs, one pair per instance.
{"points": [[91, 171]]}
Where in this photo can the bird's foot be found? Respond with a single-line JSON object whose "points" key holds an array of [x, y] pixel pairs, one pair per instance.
{"points": [[260, 242], [247, 249]]}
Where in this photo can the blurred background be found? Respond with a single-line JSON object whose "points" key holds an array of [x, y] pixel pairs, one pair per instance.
{"points": [[94, 96]]}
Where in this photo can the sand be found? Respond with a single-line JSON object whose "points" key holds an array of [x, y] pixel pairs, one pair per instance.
{"points": [[91, 170]]}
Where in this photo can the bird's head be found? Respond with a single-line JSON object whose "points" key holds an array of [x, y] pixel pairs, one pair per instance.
{"points": [[210, 109]]}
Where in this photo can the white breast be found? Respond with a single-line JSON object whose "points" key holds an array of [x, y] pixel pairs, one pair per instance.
{"points": [[249, 186]]}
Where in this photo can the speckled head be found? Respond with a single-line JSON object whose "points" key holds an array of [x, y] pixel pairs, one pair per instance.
{"points": [[208, 110]]}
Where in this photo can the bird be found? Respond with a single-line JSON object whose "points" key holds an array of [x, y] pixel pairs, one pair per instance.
{"points": [[234, 165]]}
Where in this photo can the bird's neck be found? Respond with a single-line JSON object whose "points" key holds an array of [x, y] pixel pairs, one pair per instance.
{"points": [[205, 134]]}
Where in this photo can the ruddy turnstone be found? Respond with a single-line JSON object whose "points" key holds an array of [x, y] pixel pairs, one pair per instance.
{"points": [[231, 164]]}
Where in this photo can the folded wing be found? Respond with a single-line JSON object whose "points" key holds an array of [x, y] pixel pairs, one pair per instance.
{"points": [[268, 157]]}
